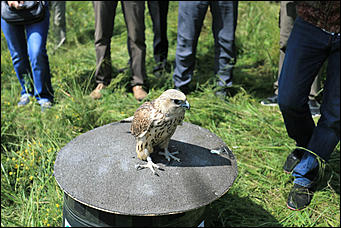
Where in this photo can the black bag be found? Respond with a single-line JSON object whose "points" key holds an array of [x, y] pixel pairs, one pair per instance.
{"points": [[32, 12]]}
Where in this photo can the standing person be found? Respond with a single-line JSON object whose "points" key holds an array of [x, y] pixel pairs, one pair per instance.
{"points": [[27, 46], [190, 21], [158, 11], [104, 23], [58, 9], [314, 39], [286, 22]]}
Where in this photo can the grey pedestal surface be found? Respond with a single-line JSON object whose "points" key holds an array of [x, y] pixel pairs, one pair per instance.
{"points": [[97, 169]]}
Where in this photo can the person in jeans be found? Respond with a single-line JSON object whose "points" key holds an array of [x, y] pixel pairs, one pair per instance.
{"points": [[27, 46], [314, 39], [190, 20], [286, 21], [133, 12]]}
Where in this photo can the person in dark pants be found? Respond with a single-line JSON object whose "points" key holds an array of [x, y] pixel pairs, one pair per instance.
{"points": [[104, 23], [286, 22], [58, 12], [158, 11], [314, 39], [190, 21]]}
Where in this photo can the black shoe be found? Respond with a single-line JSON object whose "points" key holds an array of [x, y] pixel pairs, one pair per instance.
{"points": [[292, 160], [185, 89], [299, 197], [161, 67], [270, 101], [314, 107], [221, 93]]}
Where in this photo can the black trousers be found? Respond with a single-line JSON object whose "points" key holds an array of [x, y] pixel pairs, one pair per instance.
{"points": [[158, 11], [104, 24]]}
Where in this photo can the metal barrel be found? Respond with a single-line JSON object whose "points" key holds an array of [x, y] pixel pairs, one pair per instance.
{"points": [[76, 214]]}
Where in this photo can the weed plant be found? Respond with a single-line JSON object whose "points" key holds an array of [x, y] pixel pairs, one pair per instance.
{"points": [[30, 139]]}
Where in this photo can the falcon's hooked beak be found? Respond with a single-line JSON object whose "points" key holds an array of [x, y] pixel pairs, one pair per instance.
{"points": [[185, 105]]}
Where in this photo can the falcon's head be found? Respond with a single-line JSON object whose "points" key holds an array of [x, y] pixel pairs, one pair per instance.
{"points": [[172, 102]]}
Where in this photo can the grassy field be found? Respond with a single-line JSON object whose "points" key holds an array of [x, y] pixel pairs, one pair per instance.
{"points": [[30, 140]]}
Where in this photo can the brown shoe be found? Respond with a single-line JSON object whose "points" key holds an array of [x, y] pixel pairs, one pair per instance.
{"points": [[139, 92], [96, 93]]}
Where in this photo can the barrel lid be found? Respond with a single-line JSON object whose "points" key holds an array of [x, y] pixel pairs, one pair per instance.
{"points": [[97, 169]]}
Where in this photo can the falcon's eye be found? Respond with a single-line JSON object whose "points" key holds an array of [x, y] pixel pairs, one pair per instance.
{"points": [[176, 101]]}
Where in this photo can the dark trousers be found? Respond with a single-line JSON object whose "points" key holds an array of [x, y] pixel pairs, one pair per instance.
{"points": [[104, 24], [190, 21], [158, 11], [58, 8], [308, 48], [286, 22]]}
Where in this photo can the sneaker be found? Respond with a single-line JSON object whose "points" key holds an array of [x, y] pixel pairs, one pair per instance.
{"points": [[292, 160], [314, 107], [24, 100], [299, 197], [96, 93], [139, 92], [45, 104], [270, 101]]}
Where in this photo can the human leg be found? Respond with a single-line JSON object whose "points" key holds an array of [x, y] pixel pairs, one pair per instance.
{"points": [[158, 11], [104, 24], [36, 42], [190, 19], [224, 25], [287, 16], [134, 17], [17, 45], [59, 20], [326, 134], [304, 57], [299, 69]]}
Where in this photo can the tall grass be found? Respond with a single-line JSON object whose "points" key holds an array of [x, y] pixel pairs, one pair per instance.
{"points": [[30, 139]]}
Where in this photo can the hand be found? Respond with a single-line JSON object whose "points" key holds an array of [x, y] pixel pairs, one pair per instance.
{"points": [[15, 4]]}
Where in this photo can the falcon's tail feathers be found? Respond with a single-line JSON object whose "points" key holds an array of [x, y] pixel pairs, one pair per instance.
{"points": [[127, 120]]}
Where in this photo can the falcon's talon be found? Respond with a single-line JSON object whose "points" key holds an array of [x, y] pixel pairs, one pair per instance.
{"points": [[169, 155], [150, 164]]}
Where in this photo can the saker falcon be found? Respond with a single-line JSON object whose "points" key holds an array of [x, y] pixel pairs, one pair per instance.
{"points": [[155, 122]]}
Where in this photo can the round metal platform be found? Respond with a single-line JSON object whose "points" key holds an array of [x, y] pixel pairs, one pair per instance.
{"points": [[97, 169]]}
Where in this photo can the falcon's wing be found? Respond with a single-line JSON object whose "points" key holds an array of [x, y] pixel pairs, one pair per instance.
{"points": [[142, 119]]}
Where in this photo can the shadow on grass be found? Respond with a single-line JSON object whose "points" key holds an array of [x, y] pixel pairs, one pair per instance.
{"points": [[233, 211]]}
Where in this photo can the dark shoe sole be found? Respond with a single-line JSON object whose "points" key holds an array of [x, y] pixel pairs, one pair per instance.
{"points": [[268, 104], [294, 209], [299, 198]]}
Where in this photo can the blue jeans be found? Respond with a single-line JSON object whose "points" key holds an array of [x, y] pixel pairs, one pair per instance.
{"points": [[30, 58], [308, 48], [190, 21]]}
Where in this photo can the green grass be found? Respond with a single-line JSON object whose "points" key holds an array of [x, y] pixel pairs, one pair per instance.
{"points": [[30, 140]]}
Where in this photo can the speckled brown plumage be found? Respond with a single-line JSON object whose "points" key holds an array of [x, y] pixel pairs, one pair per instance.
{"points": [[155, 122]]}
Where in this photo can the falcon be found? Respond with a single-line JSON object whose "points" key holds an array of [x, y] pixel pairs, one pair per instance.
{"points": [[155, 122]]}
